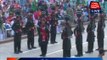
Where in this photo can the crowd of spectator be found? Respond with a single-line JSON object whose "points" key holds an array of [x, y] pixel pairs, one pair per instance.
{"points": [[8, 11]]}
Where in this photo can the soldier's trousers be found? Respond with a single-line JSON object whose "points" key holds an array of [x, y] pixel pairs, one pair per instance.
{"points": [[90, 46], [66, 53], [17, 42], [43, 48], [79, 46], [101, 43], [53, 37], [30, 42]]}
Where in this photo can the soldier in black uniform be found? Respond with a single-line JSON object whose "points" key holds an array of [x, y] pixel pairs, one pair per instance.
{"points": [[53, 29], [90, 37], [100, 35], [30, 32], [79, 20], [17, 35], [78, 35], [66, 35], [43, 37]]}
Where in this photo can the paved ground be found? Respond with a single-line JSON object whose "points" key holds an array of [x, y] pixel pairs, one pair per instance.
{"points": [[54, 50]]}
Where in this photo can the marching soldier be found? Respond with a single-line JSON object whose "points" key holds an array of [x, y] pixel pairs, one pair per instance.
{"points": [[43, 37], [90, 37], [78, 35], [100, 35], [53, 29], [66, 40], [17, 35], [30, 32]]}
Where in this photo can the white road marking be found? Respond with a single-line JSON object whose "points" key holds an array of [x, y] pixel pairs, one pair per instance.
{"points": [[106, 36], [57, 50], [61, 49], [39, 48], [86, 53]]}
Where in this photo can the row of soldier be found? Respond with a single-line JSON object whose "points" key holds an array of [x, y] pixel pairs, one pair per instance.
{"points": [[91, 35], [45, 31]]}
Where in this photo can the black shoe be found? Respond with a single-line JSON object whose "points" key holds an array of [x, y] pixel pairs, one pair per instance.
{"points": [[55, 42], [33, 47], [29, 49], [42, 55], [89, 52], [79, 55], [20, 51], [97, 49], [16, 52], [100, 55], [52, 42]]}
